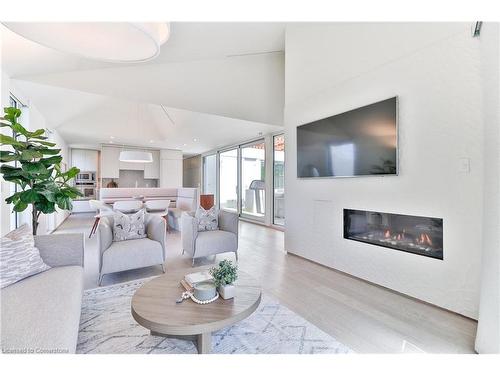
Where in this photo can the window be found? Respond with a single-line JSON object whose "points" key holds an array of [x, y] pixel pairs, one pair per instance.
{"points": [[14, 216], [210, 174], [279, 179], [253, 181], [228, 172]]}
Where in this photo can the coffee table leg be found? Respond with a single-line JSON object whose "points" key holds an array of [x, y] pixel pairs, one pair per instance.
{"points": [[204, 343]]}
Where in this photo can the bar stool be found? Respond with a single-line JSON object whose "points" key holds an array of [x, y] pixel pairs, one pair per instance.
{"points": [[159, 207], [127, 206], [102, 209]]}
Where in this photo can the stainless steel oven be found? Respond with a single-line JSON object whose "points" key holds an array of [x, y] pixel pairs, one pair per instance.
{"points": [[88, 191], [85, 177]]}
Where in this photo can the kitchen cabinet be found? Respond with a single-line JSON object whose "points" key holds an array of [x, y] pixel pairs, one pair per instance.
{"points": [[152, 170], [110, 162], [170, 169], [85, 160]]}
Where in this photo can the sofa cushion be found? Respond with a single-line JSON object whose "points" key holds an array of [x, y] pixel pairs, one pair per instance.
{"points": [[19, 258], [207, 219], [129, 227], [214, 242], [41, 313], [130, 254]]}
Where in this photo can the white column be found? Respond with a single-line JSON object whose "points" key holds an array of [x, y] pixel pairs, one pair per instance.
{"points": [[488, 332]]}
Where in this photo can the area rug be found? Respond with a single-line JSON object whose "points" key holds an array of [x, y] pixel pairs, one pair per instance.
{"points": [[107, 326]]}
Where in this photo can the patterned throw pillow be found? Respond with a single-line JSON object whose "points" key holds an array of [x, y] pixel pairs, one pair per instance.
{"points": [[129, 227], [19, 258], [207, 219]]}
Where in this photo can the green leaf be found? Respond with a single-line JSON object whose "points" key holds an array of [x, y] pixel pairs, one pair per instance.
{"points": [[18, 128], [30, 154], [11, 172], [30, 196], [71, 173], [49, 151], [6, 140], [7, 156], [13, 198], [37, 133], [51, 160], [20, 206], [49, 195], [45, 206], [45, 143], [64, 203], [36, 167]]}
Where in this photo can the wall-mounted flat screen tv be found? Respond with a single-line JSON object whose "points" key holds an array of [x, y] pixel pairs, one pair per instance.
{"points": [[360, 142]]}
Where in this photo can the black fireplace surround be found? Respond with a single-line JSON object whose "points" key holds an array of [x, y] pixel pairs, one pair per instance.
{"points": [[414, 234]]}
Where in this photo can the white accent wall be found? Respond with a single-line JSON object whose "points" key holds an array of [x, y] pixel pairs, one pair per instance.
{"points": [[434, 69]]}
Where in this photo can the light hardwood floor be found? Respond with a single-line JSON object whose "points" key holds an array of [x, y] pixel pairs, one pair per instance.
{"points": [[363, 316]]}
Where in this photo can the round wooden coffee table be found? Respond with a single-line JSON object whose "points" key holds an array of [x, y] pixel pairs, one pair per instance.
{"points": [[154, 307]]}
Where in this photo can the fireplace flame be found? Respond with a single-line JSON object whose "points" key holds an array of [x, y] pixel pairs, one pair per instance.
{"points": [[424, 239]]}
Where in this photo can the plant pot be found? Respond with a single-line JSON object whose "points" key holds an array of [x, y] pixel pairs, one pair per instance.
{"points": [[227, 291]]}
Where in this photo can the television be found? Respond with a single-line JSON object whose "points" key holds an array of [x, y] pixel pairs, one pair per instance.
{"points": [[360, 142]]}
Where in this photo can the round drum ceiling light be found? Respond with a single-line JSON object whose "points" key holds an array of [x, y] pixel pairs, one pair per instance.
{"points": [[103, 41], [136, 157]]}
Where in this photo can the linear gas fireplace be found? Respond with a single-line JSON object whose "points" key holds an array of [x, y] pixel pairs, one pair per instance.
{"points": [[414, 234]]}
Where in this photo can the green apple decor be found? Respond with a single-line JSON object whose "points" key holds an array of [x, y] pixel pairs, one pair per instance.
{"points": [[42, 183]]}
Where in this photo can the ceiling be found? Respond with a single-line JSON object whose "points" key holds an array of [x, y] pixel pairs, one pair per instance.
{"points": [[220, 83]]}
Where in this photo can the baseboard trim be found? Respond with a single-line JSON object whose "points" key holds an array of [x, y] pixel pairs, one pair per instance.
{"points": [[381, 286]]}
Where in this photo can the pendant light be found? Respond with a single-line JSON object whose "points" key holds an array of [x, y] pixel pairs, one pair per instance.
{"points": [[131, 156], [136, 156], [103, 41]]}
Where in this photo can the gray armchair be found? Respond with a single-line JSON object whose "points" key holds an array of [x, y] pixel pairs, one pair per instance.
{"points": [[201, 244], [131, 254]]}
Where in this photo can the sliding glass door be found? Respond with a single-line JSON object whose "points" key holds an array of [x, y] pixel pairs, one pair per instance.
{"points": [[253, 181], [210, 175], [279, 179], [228, 180]]}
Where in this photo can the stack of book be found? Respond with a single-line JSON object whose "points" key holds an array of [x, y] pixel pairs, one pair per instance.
{"points": [[190, 280]]}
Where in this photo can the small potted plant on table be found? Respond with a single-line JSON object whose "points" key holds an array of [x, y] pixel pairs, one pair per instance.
{"points": [[225, 274]]}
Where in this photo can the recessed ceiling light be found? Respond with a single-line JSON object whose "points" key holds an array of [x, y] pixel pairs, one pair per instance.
{"points": [[195, 140], [111, 137], [110, 141], [151, 141], [185, 144]]}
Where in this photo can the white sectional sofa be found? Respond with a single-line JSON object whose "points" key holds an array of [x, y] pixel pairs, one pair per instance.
{"points": [[182, 199], [41, 313]]}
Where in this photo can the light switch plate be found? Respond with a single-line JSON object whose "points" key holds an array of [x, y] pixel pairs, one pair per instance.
{"points": [[464, 165]]}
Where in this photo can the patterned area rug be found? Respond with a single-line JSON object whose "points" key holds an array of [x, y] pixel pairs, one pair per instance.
{"points": [[107, 326]]}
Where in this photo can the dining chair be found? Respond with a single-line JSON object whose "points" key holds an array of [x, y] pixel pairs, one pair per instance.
{"points": [[102, 209], [158, 207], [127, 206]]}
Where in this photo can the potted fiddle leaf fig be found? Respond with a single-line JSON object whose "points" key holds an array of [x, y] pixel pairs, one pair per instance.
{"points": [[224, 275], [36, 170]]}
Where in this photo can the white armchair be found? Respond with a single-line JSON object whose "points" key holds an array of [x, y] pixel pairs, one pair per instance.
{"points": [[201, 244], [131, 254]]}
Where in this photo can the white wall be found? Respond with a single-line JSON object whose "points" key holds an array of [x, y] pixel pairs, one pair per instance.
{"points": [[31, 119], [434, 70], [488, 332]]}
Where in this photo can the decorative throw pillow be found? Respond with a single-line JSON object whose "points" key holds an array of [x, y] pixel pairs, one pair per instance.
{"points": [[129, 227], [207, 219], [19, 258]]}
